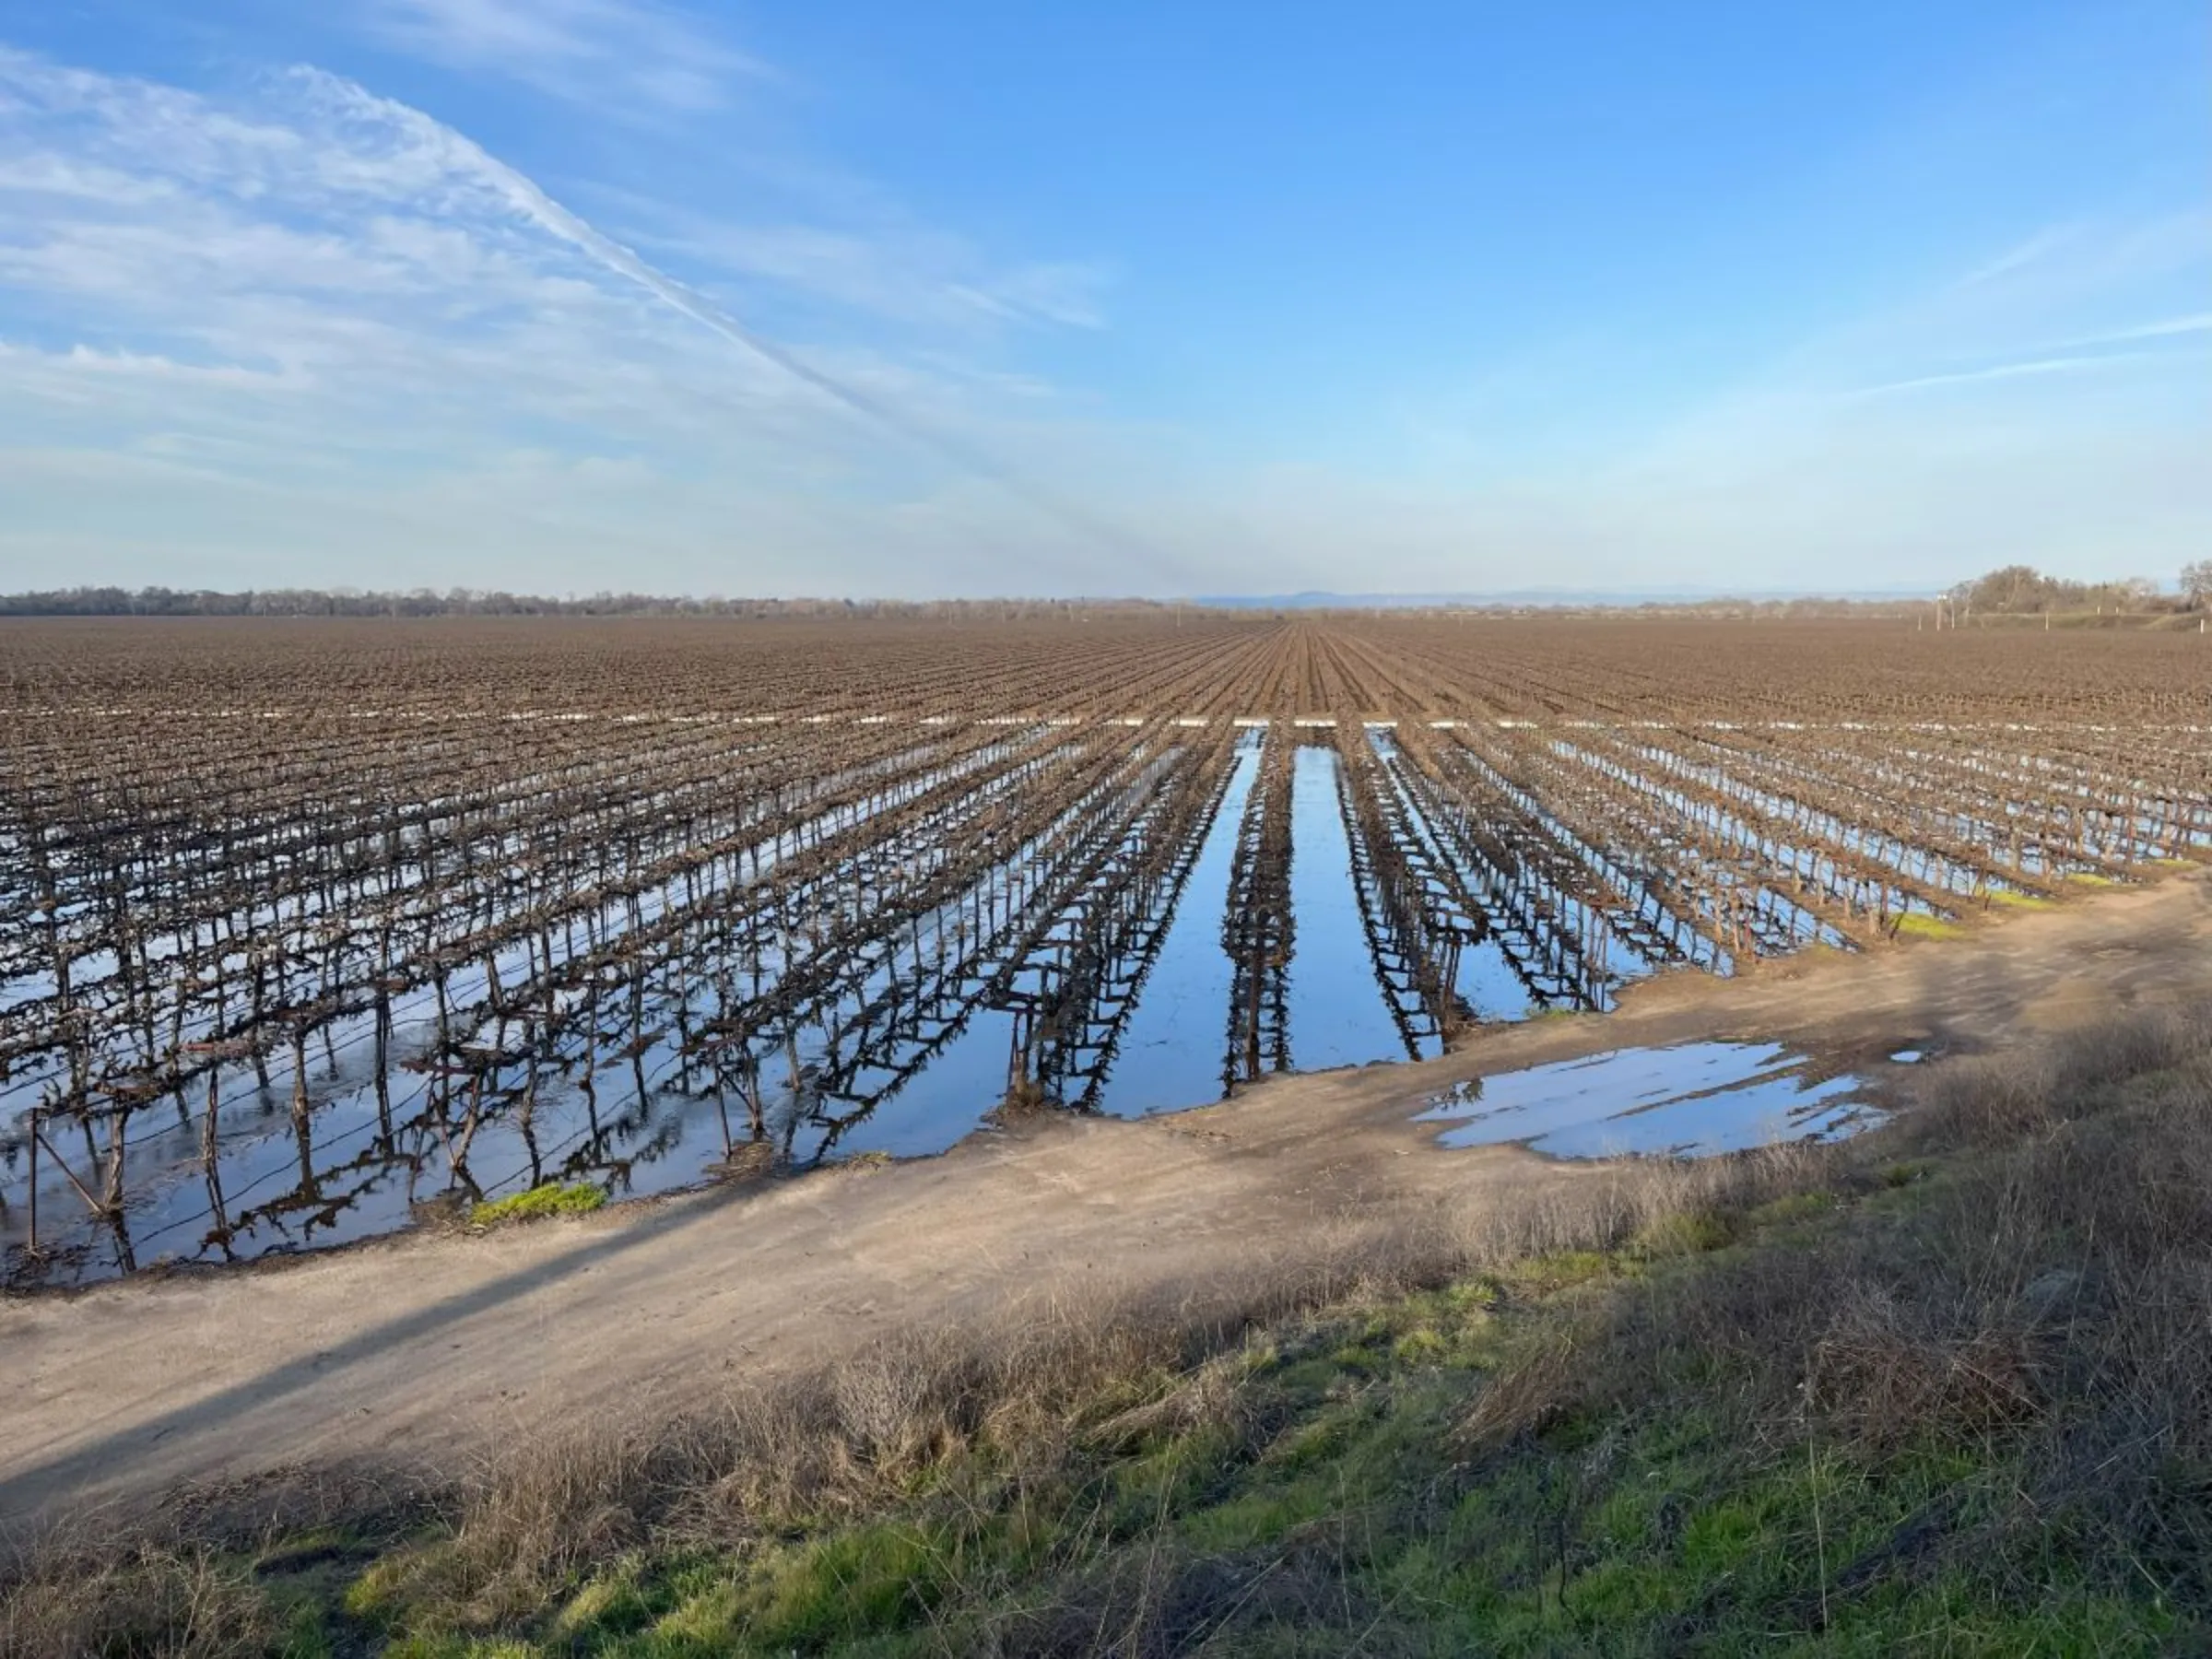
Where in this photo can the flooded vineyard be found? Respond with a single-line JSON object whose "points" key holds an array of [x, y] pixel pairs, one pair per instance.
{"points": [[309, 931]]}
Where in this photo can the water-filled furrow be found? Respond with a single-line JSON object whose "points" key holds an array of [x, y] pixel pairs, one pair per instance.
{"points": [[475, 919], [1719, 871], [1760, 844], [1169, 1055], [1876, 849], [1338, 1011]]}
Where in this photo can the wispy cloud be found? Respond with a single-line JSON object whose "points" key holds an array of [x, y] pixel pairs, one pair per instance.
{"points": [[2074, 353], [657, 59], [2034, 367], [2166, 328], [2029, 250], [878, 263], [312, 287], [471, 168], [277, 327]]}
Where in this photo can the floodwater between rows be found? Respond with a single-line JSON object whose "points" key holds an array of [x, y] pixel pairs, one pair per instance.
{"points": [[1338, 1016], [916, 1054], [1174, 1052]]}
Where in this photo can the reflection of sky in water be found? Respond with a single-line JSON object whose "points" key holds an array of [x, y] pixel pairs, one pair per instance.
{"points": [[1172, 1050], [1338, 1015], [943, 1080], [1695, 1098], [1171, 1055]]}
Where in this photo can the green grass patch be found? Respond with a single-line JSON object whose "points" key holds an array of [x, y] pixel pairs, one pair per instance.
{"points": [[1919, 924], [1559, 1270], [1686, 1232], [1790, 1209], [551, 1199], [2013, 899]]}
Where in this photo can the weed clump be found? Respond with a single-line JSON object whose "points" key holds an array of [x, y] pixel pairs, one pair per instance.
{"points": [[1919, 924], [552, 1199]]}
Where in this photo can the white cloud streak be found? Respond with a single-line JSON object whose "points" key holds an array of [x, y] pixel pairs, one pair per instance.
{"points": [[2166, 329], [642, 59], [319, 285], [461, 159], [2000, 371]]}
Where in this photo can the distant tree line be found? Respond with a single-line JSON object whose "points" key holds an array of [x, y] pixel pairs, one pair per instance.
{"points": [[2015, 590], [471, 602], [2022, 590]]}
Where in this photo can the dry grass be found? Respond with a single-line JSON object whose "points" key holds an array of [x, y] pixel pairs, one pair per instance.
{"points": [[1612, 1206], [1049, 1375], [2040, 1303], [141, 1598], [1883, 1373]]}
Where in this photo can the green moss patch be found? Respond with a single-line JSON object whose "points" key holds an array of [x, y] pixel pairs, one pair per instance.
{"points": [[539, 1202]]}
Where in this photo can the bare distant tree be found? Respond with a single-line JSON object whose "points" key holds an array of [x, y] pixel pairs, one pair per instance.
{"points": [[2196, 583]]}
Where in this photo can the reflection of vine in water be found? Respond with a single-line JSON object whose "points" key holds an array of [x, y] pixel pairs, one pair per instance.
{"points": [[1125, 920], [1257, 928], [469, 1092], [1008, 941], [1074, 908], [1414, 925], [1555, 913], [278, 970]]}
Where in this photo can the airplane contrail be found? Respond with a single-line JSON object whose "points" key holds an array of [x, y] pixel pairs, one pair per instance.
{"points": [[525, 196]]}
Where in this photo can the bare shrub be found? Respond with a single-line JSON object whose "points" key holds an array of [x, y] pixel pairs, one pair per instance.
{"points": [[1535, 1388], [1985, 1101], [1998, 1099], [1881, 1376], [142, 1598], [2128, 1045], [909, 1399]]}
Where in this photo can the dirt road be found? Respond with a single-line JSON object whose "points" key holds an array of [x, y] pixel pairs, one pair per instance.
{"points": [[436, 1348]]}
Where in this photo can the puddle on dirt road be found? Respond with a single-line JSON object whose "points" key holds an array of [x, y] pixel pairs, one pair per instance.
{"points": [[1693, 1099]]}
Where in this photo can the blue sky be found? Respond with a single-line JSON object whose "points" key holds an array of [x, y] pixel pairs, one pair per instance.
{"points": [[971, 298]]}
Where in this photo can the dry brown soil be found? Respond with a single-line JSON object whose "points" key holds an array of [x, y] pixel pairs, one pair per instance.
{"points": [[426, 1350]]}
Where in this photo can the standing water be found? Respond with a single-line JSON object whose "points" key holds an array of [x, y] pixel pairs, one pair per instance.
{"points": [[1170, 1056], [1338, 1016], [1688, 1100]]}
